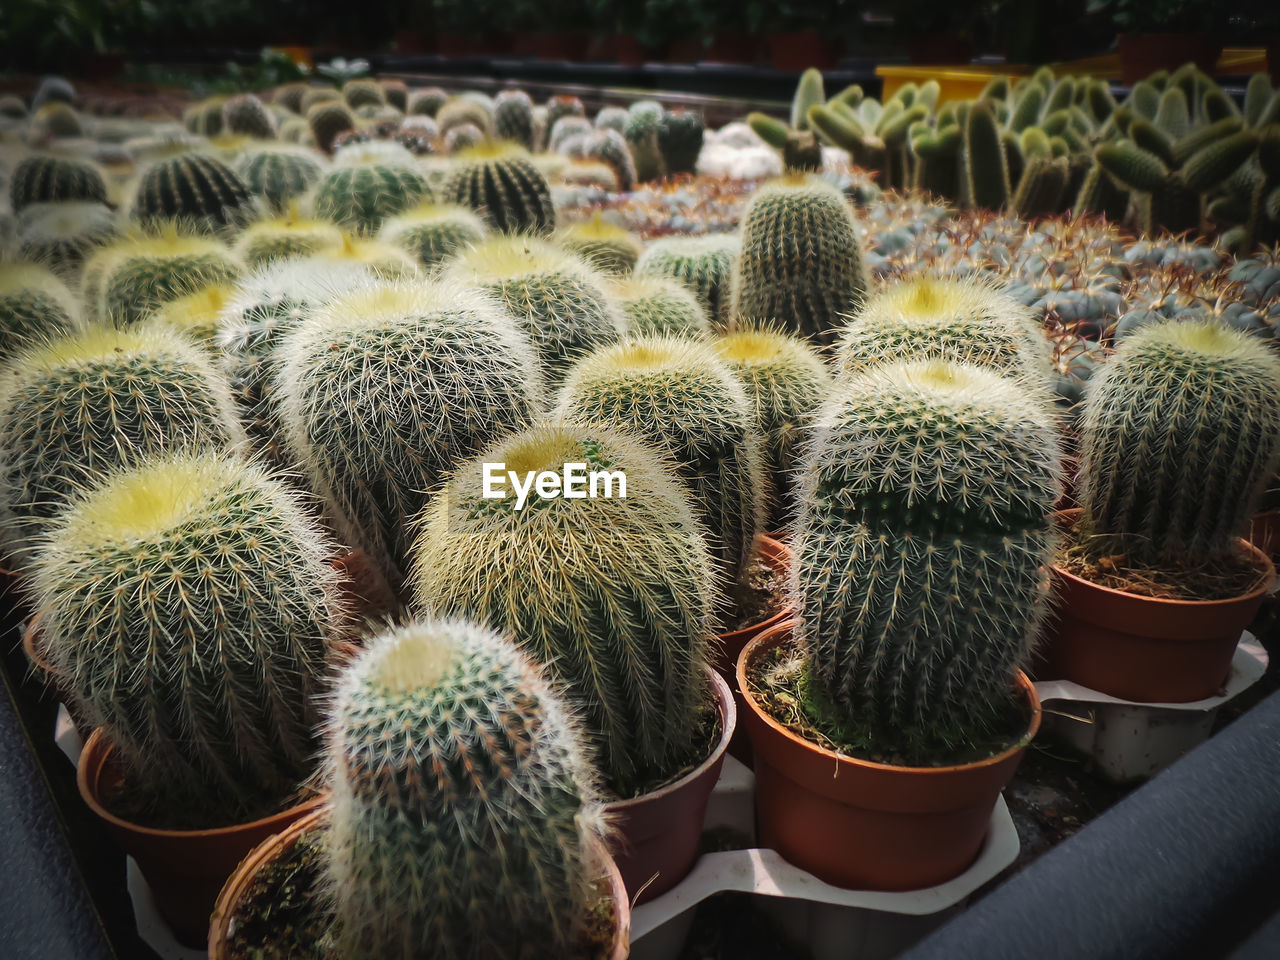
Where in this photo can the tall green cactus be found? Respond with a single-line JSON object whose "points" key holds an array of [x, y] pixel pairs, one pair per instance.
{"points": [[507, 760], [55, 179], [801, 263], [702, 264], [190, 602], [34, 305], [922, 548], [192, 187], [611, 593], [384, 390], [680, 136], [560, 303], [679, 395], [960, 320], [504, 188], [80, 406], [362, 198], [986, 167], [785, 381], [1179, 439], [644, 118]]}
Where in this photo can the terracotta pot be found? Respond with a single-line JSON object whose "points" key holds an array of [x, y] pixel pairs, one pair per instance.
{"points": [[1264, 532], [869, 826], [657, 833], [185, 868], [725, 659], [800, 50], [274, 846], [1144, 649], [1142, 54]]}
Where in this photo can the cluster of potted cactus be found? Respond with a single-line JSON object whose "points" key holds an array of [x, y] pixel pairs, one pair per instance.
{"points": [[255, 371]]}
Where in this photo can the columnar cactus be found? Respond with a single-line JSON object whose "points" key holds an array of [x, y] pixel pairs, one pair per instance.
{"points": [[384, 390], [644, 119], [434, 233], [507, 759], [786, 381], [193, 187], [134, 276], [364, 197], [190, 602], [62, 235], [621, 615], [703, 264], [655, 306], [34, 304], [504, 187], [513, 118], [559, 303], [279, 175], [962, 320], [75, 408], [680, 135], [327, 120], [679, 395], [1178, 440], [986, 166], [41, 179], [922, 547], [284, 237], [801, 262], [604, 245], [246, 115]]}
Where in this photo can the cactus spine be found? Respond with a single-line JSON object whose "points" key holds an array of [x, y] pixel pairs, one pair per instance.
{"points": [[246, 115], [62, 235], [927, 483], [703, 264], [327, 120], [364, 197], [506, 758], [363, 92], [192, 187], [655, 306], [801, 261], [285, 237], [79, 407], [34, 304], [679, 395], [604, 245], [190, 600], [504, 188], [279, 175], [786, 381], [434, 233], [1176, 394], [557, 301], [620, 617], [513, 118], [680, 135], [40, 179], [384, 390]]}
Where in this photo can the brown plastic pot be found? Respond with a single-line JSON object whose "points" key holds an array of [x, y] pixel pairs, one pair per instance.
{"points": [[275, 846], [184, 868], [862, 825], [656, 840], [1264, 532], [1144, 649]]}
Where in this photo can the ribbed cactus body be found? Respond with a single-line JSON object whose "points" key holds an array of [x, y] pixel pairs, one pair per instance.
{"points": [[922, 545], [198, 315], [566, 130], [316, 95], [959, 320], [62, 235], [246, 115], [504, 188], [604, 245], [135, 276], [427, 101], [34, 305], [327, 120], [680, 135], [608, 147], [442, 723], [40, 179], [620, 615], [58, 120], [986, 168], [563, 105], [655, 306], [192, 187], [285, 237], [396, 93], [462, 137], [679, 395], [1179, 439], [801, 263], [362, 198], [279, 176], [458, 112], [190, 602], [644, 119], [290, 96], [611, 118], [513, 118], [381, 259], [79, 407], [703, 264], [785, 381], [363, 92], [434, 233], [559, 303], [384, 390]]}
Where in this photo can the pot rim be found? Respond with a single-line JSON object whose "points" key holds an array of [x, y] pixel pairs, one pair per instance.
{"points": [[97, 752], [274, 845], [728, 720], [774, 636], [779, 560], [1261, 561]]}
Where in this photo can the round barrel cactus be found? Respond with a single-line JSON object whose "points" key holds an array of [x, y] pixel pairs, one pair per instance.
{"points": [[654, 306], [34, 305], [362, 198], [434, 233], [194, 187], [279, 175], [703, 264], [128, 280], [55, 179], [499, 182], [62, 235], [606, 246]]}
